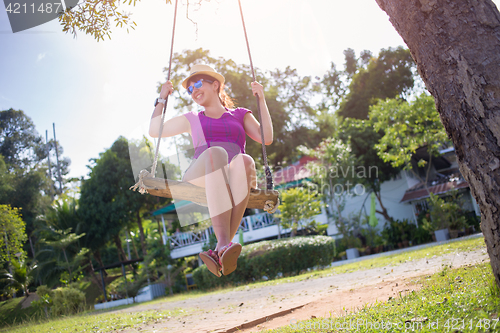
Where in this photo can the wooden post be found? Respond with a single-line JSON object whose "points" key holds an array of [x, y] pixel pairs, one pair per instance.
{"points": [[103, 286]]}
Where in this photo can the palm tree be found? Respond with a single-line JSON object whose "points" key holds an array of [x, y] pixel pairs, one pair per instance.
{"points": [[20, 278], [64, 239]]}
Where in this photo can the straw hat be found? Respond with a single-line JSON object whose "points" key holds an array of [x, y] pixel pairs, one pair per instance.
{"points": [[203, 69]]}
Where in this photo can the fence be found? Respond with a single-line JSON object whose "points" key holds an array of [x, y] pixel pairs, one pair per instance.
{"points": [[248, 224]]}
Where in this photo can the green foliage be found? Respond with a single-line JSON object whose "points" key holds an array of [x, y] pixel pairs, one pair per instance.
{"points": [[12, 234], [421, 235], [21, 276], [211, 244], [12, 312], [362, 139], [61, 301], [43, 290], [298, 208], [132, 286], [42, 305], [398, 231], [268, 258], [21, 146], [387, 76], [350, 229], [24, 177], [107, 206], [334, 173], [97, 18], [445, 213], [372, 236], [395, 232], [60, 256], [67, 300], [408, 126]]}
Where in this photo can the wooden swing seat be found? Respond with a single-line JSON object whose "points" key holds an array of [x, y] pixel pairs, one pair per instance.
{"points": [[186, 191]]}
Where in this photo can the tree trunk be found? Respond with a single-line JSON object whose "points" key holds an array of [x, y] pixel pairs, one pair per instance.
{"points": [[118, 243], [97, 257], [159, 228], [89, 268], [384, 211], [133, 244], [141, 232], [456, 45]]}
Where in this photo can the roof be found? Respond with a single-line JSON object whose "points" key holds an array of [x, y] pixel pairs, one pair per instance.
{"points": [[171, 208], [417, 192], [294, 173]]}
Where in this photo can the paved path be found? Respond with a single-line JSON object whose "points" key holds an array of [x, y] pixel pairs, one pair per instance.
{"points": [[254, 309]]}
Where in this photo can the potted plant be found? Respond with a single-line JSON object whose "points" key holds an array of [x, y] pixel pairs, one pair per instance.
{"points": [[443, 217], [352, 244], [349, 227]]}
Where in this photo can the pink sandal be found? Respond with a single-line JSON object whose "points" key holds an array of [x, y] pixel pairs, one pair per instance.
{"points": [[228, 257], [211, 259]]}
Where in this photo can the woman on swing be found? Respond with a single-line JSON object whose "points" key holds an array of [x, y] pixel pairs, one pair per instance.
{"points": [[220, 164]]}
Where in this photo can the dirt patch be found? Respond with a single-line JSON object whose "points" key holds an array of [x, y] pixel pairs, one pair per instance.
{"points": [[257, 309], [338, 303]]}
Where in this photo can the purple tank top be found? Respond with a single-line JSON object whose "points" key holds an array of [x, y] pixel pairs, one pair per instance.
{"points": [[226, 132]]}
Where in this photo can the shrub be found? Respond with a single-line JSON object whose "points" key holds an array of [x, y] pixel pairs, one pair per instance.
{"points": [[445, 212], [398, 231], [268, 258], [61, 301], [66, 301], [43, 290]]}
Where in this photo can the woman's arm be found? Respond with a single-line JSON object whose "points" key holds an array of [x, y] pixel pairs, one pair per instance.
{"points": [[171, 127], [252, 126]]}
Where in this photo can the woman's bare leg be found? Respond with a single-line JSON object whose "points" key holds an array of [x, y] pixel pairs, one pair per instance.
{"points": [[210, 171], [242, 177]]}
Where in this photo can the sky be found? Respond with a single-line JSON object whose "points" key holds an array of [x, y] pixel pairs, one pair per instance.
{"points": [[95, 92]]}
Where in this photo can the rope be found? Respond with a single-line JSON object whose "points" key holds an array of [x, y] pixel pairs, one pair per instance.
{"points": [[144, 173], [269, 176], [153, 168]]}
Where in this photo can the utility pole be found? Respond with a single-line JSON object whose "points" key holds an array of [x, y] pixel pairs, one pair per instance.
{"points": [[48, 161], [57, 159]]}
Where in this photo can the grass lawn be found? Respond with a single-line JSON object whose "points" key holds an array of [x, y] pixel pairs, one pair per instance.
{"points": [[94, 321], [11, 311], [465, 299]]}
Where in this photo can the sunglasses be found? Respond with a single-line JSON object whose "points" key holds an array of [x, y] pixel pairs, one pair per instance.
{"points": [[197, 85]]}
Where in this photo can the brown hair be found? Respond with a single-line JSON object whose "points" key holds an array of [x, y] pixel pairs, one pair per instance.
{"points": [[224, 98]]}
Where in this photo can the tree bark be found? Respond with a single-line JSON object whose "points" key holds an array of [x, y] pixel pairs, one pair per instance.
{"points": [[133, 244], [89, 268], [456, 45], [118, 243], [141, 232], [384, 211], [97, 257]]}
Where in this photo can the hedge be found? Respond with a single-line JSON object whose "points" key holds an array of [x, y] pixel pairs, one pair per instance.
{"points": [[287, 256]]}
